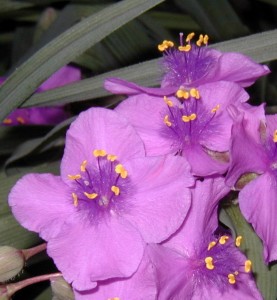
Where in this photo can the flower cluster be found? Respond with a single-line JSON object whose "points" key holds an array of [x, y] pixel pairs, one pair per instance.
{"points": [[134, 212]]}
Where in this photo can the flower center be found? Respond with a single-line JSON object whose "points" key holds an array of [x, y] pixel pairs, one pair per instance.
{"points": [[188, 63], [221, 262], [100, 187]]}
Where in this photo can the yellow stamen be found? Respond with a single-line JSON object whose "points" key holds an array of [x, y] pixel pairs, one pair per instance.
{"points": [[216, 108], [211, 245], [73, 177], [206, 39], [189, 118], [200, 40], [166, 121], [83, 166], [20, 120], [192, 117], [7, 121], [194, 93], [275, 136], [238, 240], [114, 298], [111, 157], [209, 263], [247, 266], [182, 94], [115, 189], [190, 36], [223, 239], [165, 45], [90, 196], [101, 153], [232, 278], [119, 169], [75, 199], [168, 102], [184, 48]]}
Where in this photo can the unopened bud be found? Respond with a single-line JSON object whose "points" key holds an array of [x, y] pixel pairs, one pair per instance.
{"points": [[61, 289], [11, 262]]}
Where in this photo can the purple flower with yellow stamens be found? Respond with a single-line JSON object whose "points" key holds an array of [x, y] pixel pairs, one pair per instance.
{"points": [[45, 115], [109, 201], [253, 170], [198, 262], [198, 128]]}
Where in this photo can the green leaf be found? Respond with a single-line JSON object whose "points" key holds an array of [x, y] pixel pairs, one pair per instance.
{"points": [[63, 49]]}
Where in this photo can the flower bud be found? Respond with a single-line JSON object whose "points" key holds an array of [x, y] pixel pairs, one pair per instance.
{"points": [[61, 289], [11, 262]]}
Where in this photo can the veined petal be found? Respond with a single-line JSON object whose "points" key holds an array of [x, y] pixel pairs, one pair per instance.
{"points": [[86, 254], [258, 204], [162, 198], [38, 201]]}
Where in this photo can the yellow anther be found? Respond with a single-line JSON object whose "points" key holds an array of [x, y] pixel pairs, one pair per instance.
{"points": [[20, 120], [166, 121], [189, 118], [75, 199], [209, 263], [206, 39], [216, 108], [190, 36], [7, 121], [165, 45], [115, 189], [192, 117], [90, 196], [119, 169], [111, 157], [184, 48], [275, 136], [168, 102], [232, 278], [83, 166], [73, 177], [114, 298], [211, 245], [182, 94], [223, 239], [247, 266], [200, 40], [101, 153], [194, 93], [238, 240]]}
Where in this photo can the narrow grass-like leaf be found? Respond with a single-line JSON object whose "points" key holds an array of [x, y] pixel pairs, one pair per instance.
{"points": [[63, 49], [7, 6]]}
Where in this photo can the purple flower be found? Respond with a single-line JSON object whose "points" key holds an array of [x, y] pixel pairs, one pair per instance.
{"points": [[199, 263], [253, 169], [45, 115], [198, 128], [108, 202]]}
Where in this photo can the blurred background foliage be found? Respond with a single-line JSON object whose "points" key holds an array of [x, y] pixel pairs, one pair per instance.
{"points": [[107, 38]]}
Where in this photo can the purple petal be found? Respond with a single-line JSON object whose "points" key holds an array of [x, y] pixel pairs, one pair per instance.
{"points": [[271, 122], [258, 204], [142, 284], [41, 203], [85, 253], [162, 198], [239, 68], [99, 128]]}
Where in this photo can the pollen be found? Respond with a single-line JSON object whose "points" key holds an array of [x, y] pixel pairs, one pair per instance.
{"points": [[7, 121], [166, 121], [182, 94], [211, 245], [83, 166], [206, 39], [190, 37], [215, 109], [223, 239], [168, 102], [231, 278], [200, 40], [74, 177], [111, 157], [115, 189], [194, 93], [75, 199], [20, 120], [185, 48], [189, 118], [90, 196], [247, 266], [119, 169], [275, 136], [165, 45], [238, 240], [209, 263], [98, 153]]}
